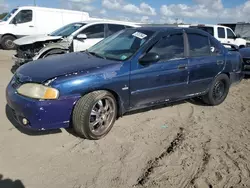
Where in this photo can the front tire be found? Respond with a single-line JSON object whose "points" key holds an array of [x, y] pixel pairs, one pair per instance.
{"points": [[218, 91], [94, 115], [7, 42]]}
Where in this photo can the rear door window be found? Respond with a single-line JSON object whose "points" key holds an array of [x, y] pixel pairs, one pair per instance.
{"points": [[23, 16], [198, 45], [221, 33], [94, 31], [113, 28], [170, 47]]}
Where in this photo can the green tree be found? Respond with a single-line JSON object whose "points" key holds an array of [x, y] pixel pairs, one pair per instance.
{"points": [[3, 15]]}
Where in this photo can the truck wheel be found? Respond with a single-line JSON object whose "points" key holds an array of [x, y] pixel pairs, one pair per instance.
{"points": [[94, 115], [218, 90], [7, 42]]}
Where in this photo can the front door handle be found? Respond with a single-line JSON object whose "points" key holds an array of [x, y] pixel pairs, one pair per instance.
{"points": [[31, 26], [220, 62], [183, 66]]}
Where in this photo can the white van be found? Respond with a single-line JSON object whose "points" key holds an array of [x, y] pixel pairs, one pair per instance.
{"points": [[222, 33], [30, 20]]}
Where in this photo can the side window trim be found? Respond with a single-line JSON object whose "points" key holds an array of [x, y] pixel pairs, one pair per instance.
{"points": [[186, 45], [106, 30]]}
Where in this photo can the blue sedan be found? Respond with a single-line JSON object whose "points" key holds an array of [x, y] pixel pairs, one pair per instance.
{"points": [[132, 69]]}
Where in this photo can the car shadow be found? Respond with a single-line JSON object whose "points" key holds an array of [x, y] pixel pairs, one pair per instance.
{"points": [[8, 183], [10, 116], [247, 77], [196, 101]]}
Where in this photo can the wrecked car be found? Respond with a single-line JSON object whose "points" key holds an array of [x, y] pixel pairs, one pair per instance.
{"points": [[132, 69], [245, 53], [70, 38]]}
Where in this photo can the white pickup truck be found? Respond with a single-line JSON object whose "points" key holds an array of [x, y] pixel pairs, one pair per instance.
{"points": [[222, 33]]}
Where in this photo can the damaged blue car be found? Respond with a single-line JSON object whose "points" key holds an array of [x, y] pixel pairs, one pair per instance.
{"points": [[132, 69]]}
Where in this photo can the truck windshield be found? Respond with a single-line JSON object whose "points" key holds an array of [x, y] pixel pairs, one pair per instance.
{"points": [[121, 45], [67, 30], [6, 18]]}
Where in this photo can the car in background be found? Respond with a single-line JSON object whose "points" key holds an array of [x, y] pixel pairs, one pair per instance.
{"points": [[241, 29], [222, 33], [132, 69], [32, 20], [245, 53], [73, 37]]}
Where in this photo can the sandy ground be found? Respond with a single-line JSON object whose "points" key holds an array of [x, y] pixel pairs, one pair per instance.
{"points": [[182, 145]]}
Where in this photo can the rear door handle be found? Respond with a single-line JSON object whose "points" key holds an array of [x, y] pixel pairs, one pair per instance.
{"points": [[220, 62], [183, 66], [31, 26]]}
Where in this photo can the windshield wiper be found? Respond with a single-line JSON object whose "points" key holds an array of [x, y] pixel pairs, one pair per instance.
{"points": [[95, 54]]}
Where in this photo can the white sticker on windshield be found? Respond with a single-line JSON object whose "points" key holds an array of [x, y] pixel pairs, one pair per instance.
{"points": [[139, 35], [78, 25]]}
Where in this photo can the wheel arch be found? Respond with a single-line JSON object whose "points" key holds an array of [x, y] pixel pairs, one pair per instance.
{"points": [[118, 98], [48, 49], [9, 34], [52, 49]]}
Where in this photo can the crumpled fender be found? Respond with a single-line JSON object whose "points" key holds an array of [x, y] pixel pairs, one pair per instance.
{"points": [[52, 46]]}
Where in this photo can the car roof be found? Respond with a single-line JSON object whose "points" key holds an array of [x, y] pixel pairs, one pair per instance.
{"points": [[172, 29], [103, 21]]}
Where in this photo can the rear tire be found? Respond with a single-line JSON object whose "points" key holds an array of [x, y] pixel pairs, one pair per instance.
{"points": [[94, 115], [218, 91], [7, 42]]}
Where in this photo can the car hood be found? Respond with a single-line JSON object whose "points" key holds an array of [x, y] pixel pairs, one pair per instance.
{"points": [[35, 38], [44, 69]]}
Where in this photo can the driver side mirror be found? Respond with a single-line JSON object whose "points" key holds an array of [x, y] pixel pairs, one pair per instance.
{"points": [[82, 36], [149, 58]]}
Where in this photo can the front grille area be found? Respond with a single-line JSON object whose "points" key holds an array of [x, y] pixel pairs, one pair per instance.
{"points": [[246, 61]]}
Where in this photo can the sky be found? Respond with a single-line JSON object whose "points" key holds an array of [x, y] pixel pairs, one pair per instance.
{"points": [[151, 11]]}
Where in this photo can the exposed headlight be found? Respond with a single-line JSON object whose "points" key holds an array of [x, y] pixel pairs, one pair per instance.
{"points": [[38, 91]]}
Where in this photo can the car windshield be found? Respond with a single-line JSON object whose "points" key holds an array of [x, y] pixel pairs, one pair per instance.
{"points": [[122, 45], [67, 30], [6, 18]]}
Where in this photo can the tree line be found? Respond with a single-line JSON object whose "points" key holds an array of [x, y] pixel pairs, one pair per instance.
{"points": [[3, 15]]}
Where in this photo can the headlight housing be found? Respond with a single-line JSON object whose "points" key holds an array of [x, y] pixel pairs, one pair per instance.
{"points": [[38, 91]]}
